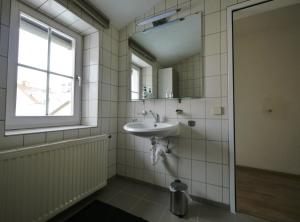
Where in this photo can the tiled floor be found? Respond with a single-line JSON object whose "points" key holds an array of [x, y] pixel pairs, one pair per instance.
{"points": [[152, 204]]}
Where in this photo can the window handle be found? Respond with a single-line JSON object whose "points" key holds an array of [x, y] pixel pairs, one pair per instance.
{"points": [[78, 78]]}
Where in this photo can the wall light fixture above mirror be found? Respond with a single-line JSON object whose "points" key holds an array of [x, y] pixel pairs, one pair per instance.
{"points": [[173, 51]]}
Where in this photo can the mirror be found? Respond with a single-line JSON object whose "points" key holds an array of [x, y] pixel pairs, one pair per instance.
{"points": [[166, 59]]}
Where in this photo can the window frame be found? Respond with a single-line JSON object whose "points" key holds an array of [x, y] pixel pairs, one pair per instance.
{"points": [[14, 122]]}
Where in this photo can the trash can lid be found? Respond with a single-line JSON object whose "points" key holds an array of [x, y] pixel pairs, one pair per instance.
{"points": [[177, 185]]}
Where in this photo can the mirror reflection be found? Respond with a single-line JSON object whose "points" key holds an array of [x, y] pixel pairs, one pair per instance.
{"points": [[166, 59]]}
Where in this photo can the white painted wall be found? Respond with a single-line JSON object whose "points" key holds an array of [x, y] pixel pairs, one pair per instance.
{"points": [[267, 76]]}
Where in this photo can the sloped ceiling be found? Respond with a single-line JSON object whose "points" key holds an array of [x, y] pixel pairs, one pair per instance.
{"points": [[122, 12]]}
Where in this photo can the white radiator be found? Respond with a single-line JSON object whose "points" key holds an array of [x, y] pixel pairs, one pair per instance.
{"points": [[38, 182]]}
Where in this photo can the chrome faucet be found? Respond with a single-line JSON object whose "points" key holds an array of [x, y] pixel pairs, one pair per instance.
{"points": [[155, 116]]}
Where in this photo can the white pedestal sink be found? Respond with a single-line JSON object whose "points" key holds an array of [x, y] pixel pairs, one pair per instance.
{"points": [[150, 129]]}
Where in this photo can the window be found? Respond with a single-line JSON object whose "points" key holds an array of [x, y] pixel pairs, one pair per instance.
{"points": [[44, 88], [135, 82]]}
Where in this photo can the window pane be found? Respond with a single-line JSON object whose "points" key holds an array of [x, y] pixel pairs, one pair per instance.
{"points": [[31, 92], [60, 96], [62, 54], [33, 44], [135, 83]]}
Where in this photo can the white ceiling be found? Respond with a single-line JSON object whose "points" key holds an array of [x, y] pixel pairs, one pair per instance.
{"points": [[122, 12]]}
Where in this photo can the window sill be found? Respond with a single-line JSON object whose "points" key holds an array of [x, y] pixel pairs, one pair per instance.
{"points": [[44, 130]]}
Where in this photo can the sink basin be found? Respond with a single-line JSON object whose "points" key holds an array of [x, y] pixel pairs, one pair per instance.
{"points": [[148, 129]]}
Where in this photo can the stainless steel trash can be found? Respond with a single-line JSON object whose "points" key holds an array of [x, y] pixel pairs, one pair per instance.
{"points": [[178, 198]]}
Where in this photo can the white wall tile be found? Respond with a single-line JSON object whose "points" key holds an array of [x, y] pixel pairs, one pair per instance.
{"points": [[199, 150], [224, 85], [225, 130], [160, 167], [185, 105], [199, 189], [212, 6], [52, 8], [3, 101], [66, 17], [225, 176], [210, 104], [225, 195], [212, 23], [197, 108], [224, 69], [111, 157], [147, 162], [160, 7], [11, 142], [214, 151], [4, 40], [139, 107], [225, 152], [95, 40], [213, 129], [113, 109], [5, 14], [160, 179], [212, 65], [84, 132], [105, 91], [129, 157], [121, 156], [3, 72], [184, 168], [198, 131], [70, 134], [148, 176], [184, 148], [223, 42], [139, 144], [139, 159], [127, 141], [214, 193], [54, 136], [105, 125], [171, 106], [214, 174], [113, 93], [36, 138], [212, 44], [106, 75], [160, 108], [213, 86], [94, 56], [86, 57], [226, 3], [171, 3], [171, 163], [198, 170], [105, 106]]}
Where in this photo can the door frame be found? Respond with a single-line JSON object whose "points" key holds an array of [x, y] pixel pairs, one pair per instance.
{"points": [[231, 110]]}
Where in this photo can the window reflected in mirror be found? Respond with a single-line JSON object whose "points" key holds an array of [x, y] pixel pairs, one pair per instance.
{"points": [[141, 78]]}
